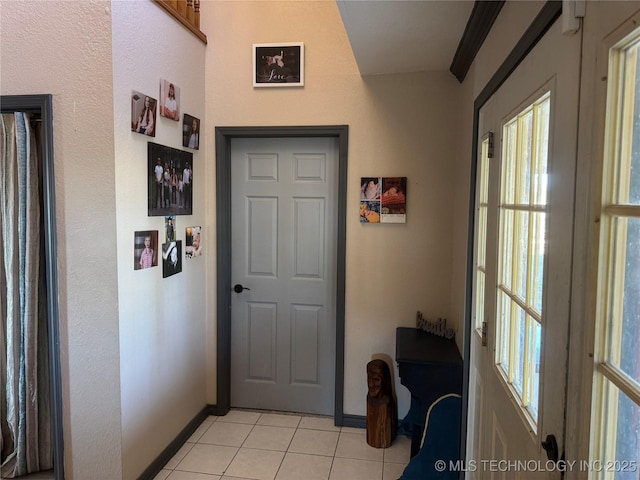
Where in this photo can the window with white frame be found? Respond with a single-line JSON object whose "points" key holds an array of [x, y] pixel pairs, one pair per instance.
{"points": [[522, 213], [616, 405]]}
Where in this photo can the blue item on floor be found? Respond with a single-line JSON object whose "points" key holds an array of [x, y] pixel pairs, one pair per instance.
{"points": [[440, 447]]}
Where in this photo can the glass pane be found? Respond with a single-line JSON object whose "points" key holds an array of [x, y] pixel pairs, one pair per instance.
{"points": [[520, 256], [533, 359], [518, 348], [506, 246], [622, 420], [624, 333], [479, 298], [629, 134], [538, 236], [510, 131], [542, 150], [628, 439], [482, 236], [525, 136], [504, 332]]}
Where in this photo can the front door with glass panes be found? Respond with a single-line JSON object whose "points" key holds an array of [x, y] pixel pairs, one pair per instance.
{"points": [[522, 284]]}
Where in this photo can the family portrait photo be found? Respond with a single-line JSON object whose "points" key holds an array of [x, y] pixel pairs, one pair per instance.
{"points": [[278, 65], [143, 114], [170, 180]]}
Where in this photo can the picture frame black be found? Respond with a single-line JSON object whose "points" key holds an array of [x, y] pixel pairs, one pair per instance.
{"points": [[172, 196], [278, 64]]}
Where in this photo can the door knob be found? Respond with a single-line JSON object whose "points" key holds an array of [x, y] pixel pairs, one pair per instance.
{"points": [[239, 288], [551, 447]]}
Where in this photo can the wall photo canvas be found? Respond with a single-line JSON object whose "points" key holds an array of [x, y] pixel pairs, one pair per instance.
{"points": [[145, 249], [170, 181], [278, 65], [383, 199], [171, 258], [170, 228], [191, 132], [169, 100], [393, 202], [193, 242], [143, 114]]}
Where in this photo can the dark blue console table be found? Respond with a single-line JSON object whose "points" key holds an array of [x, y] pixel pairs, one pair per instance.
{"points": [[430, 367]]}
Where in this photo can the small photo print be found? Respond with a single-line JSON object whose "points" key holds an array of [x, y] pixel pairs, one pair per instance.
{"points": [[170, 228], [191, 132], [169, 100], [370, 188], [143, 114], [193, 242], [171, 258], [369, 211], [145, 249], [393, 207]]}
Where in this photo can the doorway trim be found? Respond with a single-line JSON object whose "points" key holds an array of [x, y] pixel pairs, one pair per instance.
{"points": [[42, 107], [223, 137]]}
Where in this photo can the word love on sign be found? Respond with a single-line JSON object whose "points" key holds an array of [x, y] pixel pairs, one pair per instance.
{"points": [[439, 327]]}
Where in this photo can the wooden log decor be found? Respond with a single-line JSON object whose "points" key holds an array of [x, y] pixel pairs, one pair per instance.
{"points": [[382, 412]]}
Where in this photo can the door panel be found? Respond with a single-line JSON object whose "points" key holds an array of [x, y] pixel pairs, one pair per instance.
{"points": [[506, 431], [284, 213]]}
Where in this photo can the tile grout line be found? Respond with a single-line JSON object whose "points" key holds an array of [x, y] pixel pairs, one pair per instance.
{"points": [[295, 429], [238, 451]]}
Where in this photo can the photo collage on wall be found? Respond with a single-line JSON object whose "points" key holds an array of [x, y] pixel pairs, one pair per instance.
{"points": [[169, 179], [383, 199]]}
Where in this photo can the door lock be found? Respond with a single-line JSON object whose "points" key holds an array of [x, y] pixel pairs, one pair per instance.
{"points": [[239, 288], [551, 447]]}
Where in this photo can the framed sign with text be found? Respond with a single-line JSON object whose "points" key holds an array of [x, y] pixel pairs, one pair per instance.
{"points": [[278, 65]]}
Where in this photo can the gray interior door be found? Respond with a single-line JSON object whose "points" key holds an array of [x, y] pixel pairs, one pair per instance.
{"points": [[284, 215]]}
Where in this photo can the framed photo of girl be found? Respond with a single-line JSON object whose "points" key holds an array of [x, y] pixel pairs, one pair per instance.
{"points": [[278, 64], [191, 132], [145, 249], [143, 114], [169, 100]]}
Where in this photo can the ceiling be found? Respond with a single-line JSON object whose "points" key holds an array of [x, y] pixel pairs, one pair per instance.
{"points": [[402, 36]]}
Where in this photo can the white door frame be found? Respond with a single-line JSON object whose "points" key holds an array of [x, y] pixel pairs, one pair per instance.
{"points": [[223, 136]]}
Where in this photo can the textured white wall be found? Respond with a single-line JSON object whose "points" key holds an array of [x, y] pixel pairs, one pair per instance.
{"points": [[64, 48], [400, 125], [162, 321]]}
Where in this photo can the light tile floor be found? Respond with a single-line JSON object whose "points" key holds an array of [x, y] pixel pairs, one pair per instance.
{"points": [[247, 445]]}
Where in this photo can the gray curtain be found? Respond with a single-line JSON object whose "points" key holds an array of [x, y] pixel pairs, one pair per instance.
{"points": [[25, 420]]}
